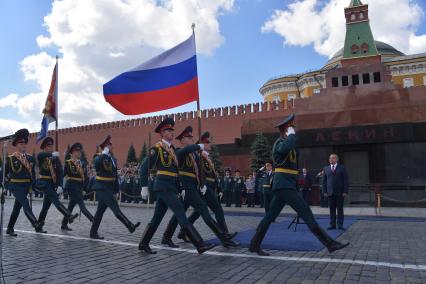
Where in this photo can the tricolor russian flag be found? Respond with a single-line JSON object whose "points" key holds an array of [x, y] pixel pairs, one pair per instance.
{"points": [[166, 81]]}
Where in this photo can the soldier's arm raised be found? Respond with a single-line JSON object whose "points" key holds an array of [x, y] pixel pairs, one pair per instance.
{"points": [[286, 145]]}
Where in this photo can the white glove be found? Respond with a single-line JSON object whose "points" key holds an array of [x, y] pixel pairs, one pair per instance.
{"points": [[182, 194], [105, 151], [220, 195], [59, 190], [55, 154], [262, 168], [290, 130], [203, 190], [144, 192], [201, 147]]}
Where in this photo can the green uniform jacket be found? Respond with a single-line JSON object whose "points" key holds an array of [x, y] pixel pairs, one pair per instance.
{"points": [[210, 176], [45, 180], [167, 177], [285, 156], [16, 172], [228, 183], [75, 180], [187, 169], [239, 185], [106, 173], [266, 181]]}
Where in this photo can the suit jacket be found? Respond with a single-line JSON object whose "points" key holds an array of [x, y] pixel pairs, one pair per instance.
{"points": [[335, 183]]}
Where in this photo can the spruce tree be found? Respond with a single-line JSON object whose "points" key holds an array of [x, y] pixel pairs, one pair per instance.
{"points": [[215, 157], [144, 152], [261, 152], [131, 155]]}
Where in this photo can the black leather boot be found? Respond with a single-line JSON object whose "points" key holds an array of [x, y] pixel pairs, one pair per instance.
{"points": [[256, 241], [146, 238], [95, 226], [38, 226], [224, 227], [183, 237], [11, 232], [221, 235], [326, 240], [196, 239], [88, 215], [129, 225], [168, 235], [64, 225], [67, 214]]}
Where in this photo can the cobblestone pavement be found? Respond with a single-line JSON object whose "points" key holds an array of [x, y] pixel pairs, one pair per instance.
{"points": [[377, 254]]}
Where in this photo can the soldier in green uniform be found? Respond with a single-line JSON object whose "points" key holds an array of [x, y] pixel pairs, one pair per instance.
{"points": [[228, 184], [238, 188], [266, 182], [75, 180], [190, 179], [19, 171], [284, 186], [50, 181], [164, 160], [106, 185], [208, 189]]}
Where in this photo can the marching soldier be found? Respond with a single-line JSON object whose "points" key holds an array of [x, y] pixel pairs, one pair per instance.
{"points": [[21, 176], [50, 181], [76, 177], [207, 190], [106, 185], [228, 184], [190, 179], [163, 158], [284, 187], [238, 188]]}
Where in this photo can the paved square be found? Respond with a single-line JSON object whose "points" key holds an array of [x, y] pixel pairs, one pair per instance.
{"points": [[380, 252]]}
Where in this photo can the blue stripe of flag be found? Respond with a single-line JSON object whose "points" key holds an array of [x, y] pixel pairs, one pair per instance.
{"points": [[153, 79]]}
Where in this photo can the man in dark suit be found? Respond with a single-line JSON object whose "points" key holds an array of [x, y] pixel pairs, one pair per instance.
{"points": [[335, 187]]}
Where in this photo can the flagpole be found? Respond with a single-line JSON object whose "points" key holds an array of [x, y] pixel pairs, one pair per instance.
{"points": [[200, 162], [56, 108], [198, 98]]}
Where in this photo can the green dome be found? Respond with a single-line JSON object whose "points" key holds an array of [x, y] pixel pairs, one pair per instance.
{"points": [[383, 48]]}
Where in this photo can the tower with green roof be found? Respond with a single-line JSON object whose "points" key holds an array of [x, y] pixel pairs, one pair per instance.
{"points": [[359, 40]]}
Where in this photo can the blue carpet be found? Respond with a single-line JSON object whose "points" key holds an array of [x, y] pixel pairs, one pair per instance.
{"points": [[281, 238]]}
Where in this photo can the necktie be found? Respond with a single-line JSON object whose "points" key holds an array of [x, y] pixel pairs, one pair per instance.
{"points": [[332, 168]]}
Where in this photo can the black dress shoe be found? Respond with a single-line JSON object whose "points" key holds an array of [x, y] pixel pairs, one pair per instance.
{"points": [[146, 249], [96, 237], [169, 243], [66, 228], [11, 232], [341, 228], [331, 228]]}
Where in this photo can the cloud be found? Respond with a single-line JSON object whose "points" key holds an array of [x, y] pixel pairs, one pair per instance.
{"points": [[98, 40], [322, 24], [9, 101]]}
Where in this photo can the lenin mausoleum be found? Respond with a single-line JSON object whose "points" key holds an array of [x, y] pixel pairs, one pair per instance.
{"points": [[367, 104]]}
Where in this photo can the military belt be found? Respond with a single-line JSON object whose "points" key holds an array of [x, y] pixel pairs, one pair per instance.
{"points": [[105, 178], [75, 178], [167, 173], [45, 177], [187, 174], [210, 179], [266, 186], [287, 171], [25, 180]]}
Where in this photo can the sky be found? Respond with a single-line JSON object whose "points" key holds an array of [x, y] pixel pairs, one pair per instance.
{"points": [[240, 45]]}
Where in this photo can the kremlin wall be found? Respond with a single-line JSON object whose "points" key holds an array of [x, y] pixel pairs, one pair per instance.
{"points": [[368, 105]]}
